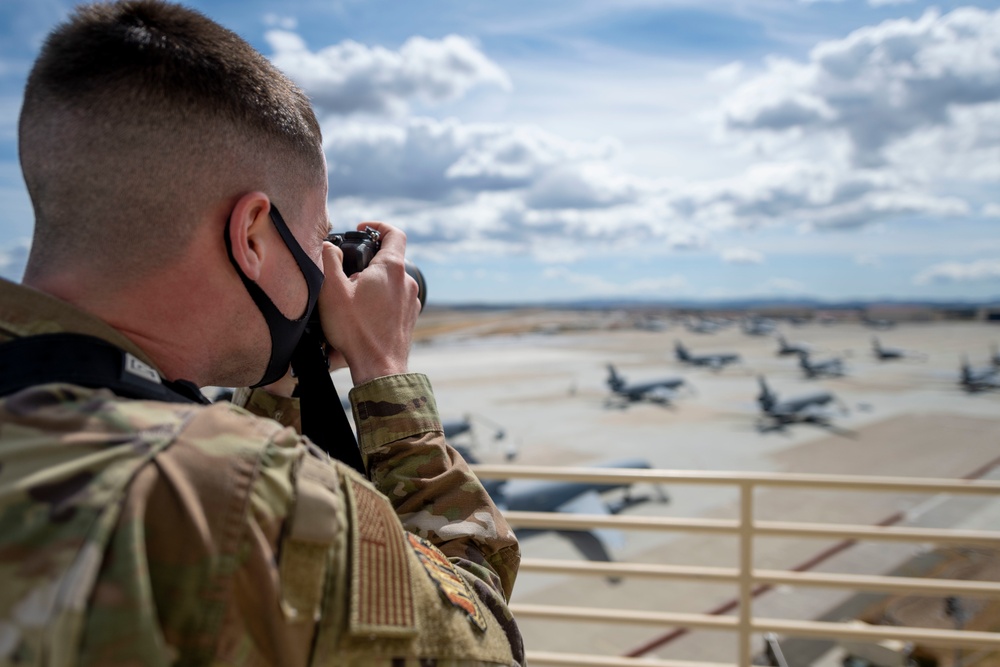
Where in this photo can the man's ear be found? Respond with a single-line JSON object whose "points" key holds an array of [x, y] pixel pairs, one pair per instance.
{"points": [[249, 225]]}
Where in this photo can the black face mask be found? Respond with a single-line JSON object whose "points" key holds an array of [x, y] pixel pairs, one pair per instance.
{"points": [[285, 333]]}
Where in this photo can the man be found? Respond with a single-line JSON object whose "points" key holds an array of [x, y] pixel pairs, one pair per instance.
{"points": [[179, 188]]}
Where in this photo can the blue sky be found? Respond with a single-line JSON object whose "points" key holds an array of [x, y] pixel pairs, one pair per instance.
{"points": [[644, 149]]}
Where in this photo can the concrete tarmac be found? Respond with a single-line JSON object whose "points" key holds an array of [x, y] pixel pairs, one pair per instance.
{"points": [[541, 376]]}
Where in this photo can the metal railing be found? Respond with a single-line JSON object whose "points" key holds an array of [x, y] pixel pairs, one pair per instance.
{"points": [[746, 577]]}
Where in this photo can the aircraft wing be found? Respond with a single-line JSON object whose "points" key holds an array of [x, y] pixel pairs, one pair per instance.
{"points": [[589, 544], [592, 503], [659, 394]]}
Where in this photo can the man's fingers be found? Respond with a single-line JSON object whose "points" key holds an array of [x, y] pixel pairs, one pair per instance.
{"points": [[393, 239], [333, 261]]}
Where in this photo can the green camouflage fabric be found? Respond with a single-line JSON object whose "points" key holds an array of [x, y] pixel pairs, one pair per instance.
{"points": [[145, 533]]}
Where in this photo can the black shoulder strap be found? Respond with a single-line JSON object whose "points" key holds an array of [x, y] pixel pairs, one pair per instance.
{"points": [[86, 361], [91, 362], [323, 418]]}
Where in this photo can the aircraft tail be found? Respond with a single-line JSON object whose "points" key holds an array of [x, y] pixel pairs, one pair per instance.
{"points": [[615, 381], [682, 353], [766, 397], [804, 361]]}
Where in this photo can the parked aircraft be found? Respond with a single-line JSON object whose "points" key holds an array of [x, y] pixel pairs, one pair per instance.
{"points": [[657, 391], [713, 361], [577, 498], [877, 323], [703, 325], [974, 380], [776, 414], [650, 323], [995, 356], [833, 367], [549, 496], [456, 427], [886, 353], [759, 326], [453, 428], [785, 348]]}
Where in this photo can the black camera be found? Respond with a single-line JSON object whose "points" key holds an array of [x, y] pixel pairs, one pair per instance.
{"points": [[359, 249]]}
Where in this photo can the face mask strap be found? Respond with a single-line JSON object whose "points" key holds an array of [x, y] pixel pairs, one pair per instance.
{"points": [[285, 333]]}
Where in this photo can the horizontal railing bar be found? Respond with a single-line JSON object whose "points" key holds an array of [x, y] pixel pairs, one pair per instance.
{"points": [[728, 575], [812, 481], [934, 636], [892, 533], [575, 659], [556, 520], [882, 584], [623, 616], [723, 575], [923, 636], [518, 519]]}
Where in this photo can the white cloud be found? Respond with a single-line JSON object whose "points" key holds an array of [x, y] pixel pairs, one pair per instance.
{"points": [[351, 78], [885, 3], [879, 84], [867, 260], [742, 256], [497, 189], [596, 285], [481, 188], [429, 159], [814, 195], [587, 185], [991, 211], [726, 75], [982, 270]]}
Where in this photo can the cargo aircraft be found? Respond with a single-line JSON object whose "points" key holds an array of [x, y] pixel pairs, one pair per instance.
{"points": [[713, 361], [587, 498], [785, 348], [886, 353], [759, 326], [833, 367], [657, 391], [975, 380], [807, 409], [552, 496]]}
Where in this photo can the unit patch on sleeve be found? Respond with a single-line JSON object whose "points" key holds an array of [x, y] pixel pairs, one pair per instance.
{"points": [[449, 583]]}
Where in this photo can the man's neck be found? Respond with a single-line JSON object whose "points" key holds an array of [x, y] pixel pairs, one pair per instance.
{"points": [[156, 315]]}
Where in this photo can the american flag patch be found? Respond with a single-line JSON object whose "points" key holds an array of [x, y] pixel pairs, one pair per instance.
{"points": [[381, 590], [450, 585]]}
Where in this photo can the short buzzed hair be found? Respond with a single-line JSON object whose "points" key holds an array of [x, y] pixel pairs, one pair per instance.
{"points": [[137, 117]]}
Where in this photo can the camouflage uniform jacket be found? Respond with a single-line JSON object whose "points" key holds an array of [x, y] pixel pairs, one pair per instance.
{"points": [[146, 533]]}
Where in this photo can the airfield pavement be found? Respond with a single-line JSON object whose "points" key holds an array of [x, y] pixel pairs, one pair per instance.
{"points": [[541, 376]]}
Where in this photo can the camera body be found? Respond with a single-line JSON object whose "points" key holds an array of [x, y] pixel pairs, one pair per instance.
{"points": [[359, 249]]}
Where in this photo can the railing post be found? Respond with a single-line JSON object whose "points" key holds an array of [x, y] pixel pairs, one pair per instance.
{"points": [[746, 571]]}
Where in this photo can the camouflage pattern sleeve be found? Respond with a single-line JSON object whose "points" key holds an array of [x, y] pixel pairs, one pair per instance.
{"points": [[197, 541], [259, 402], [430, 485]]}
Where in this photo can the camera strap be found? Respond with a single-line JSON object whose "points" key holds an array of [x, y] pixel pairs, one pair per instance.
{"points": [[323, 418], [86, 361]]}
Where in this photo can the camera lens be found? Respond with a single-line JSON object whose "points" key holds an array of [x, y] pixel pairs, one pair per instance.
{"points": [[417, 275]]}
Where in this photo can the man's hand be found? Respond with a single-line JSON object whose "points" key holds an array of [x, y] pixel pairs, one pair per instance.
{"points": [[369, 317]]}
